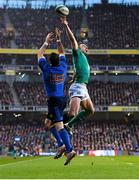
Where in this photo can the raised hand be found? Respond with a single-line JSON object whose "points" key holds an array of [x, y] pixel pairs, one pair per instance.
{"points": [[49, 37], [64, 20], [57, 33]]}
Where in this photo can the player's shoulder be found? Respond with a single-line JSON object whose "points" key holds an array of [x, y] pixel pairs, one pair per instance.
{"points": [[42, 59], [76, 51], [62, 57]]}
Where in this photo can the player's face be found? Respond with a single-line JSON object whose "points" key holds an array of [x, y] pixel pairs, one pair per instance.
{"points": [[83, 48]]}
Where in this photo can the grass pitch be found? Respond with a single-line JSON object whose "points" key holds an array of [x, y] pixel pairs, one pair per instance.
{"points": [[123, 167]]}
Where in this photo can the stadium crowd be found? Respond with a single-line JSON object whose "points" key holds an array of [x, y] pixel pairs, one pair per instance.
{"points": [[102, 93], [30, 93], [114, 93], [32, 19], [113, 26], [6, 97], [102, 135], [4, 35], [30, 136], [108, 26], [94, 60]]}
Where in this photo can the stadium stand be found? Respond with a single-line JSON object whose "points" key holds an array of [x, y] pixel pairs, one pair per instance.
{"points": [[102, 135], [113, 26], [6, 97], [112, 93], [113, 60], [28, 135], [32, 19], [4, 36], [109, 26], [102, 93], [5, 59], [30, 93]]}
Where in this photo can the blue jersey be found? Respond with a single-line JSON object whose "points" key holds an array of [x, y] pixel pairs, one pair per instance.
{"points": [[54, 77]]}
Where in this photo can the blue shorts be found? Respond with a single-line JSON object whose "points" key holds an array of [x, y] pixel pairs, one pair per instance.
{"points": [[56, 105]]}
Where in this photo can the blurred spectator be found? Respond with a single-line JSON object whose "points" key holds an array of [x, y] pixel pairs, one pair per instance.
{"points": [[114, 93], [6, 97], [102, 93], [114, 26], [30, 136], [30, 28], [30, 93], [109, 26], [101, 135]]}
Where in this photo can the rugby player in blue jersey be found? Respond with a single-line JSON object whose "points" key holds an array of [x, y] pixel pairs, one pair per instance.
{"points": [[54, 75]]}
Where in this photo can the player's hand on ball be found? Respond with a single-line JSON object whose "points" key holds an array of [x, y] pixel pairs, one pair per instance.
{"points": [[64, 20]]}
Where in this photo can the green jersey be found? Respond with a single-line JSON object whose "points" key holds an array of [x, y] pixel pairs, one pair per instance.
{"points": [[81, 67]]}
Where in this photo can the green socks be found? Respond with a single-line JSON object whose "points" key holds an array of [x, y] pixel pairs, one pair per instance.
{"points": [[77, 118]]}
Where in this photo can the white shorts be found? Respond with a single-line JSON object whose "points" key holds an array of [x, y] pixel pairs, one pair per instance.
{"points": [[78, 90]]}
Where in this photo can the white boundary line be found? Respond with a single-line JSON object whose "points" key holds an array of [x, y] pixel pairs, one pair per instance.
{"points": [[18, 162]]}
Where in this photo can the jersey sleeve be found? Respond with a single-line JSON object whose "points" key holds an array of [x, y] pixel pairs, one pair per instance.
{"points": [[76, 52], [62, 59], [42, 63]]}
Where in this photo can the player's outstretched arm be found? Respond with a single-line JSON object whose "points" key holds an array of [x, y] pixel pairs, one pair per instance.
{"points": [[70, 34], [60, 47], [43, 48]]}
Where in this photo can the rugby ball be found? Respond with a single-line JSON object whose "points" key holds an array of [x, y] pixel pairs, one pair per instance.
{"points": [[62, 10]]}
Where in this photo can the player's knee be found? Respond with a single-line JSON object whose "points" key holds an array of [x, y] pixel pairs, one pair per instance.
{"points": [[48, 123], [72, 114], [90, 111], [59, 126]]}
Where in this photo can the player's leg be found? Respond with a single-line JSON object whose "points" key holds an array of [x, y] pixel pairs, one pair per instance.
{"points": [[70, 153], [58, 119], [88, 106], [64, 136], [84, 100], [74, 107], [49, 123]]}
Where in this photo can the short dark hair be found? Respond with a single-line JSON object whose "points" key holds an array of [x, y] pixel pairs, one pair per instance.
{"points": [[83, 42], [54, 59]]}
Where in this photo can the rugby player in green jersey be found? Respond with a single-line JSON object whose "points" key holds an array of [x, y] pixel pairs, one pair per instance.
{"points": [[78, 92]]}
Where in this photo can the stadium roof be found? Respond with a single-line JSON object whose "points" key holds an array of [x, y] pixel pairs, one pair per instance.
{"points": [[47, 3]]}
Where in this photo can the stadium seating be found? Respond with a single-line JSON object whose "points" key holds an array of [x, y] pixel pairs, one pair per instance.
{"points": [[30, 93], [38, 24], [109, 26], [28, 137], [4, 37], [102, 93], [102, 135], [113, 26], [6, 97], [112, 93]]}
